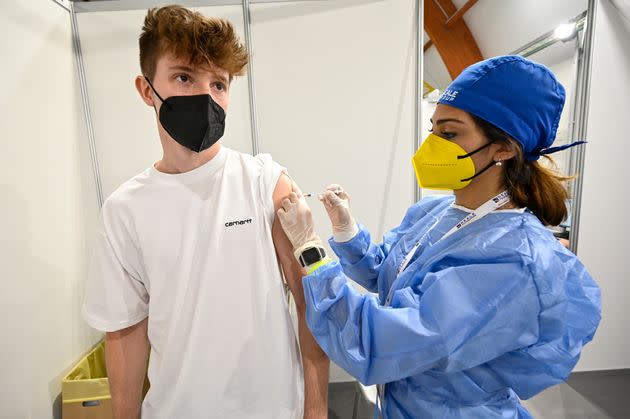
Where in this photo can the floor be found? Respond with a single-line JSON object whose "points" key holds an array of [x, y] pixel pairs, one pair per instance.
{"points": [[586, 395], [345, 401]]}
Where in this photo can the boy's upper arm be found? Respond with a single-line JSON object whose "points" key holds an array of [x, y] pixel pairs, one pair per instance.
{"points": [[284, 248], [281, 191]]}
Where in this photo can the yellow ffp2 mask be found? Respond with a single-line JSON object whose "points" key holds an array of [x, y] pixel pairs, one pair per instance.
{"points": [[442, 164]]}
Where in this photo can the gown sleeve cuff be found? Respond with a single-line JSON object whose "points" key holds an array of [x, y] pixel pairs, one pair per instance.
{"points": [[353, 250], [346, 236]]}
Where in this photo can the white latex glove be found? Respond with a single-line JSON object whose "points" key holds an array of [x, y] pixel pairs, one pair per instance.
{"points": [[297, 222], [337, 204]]}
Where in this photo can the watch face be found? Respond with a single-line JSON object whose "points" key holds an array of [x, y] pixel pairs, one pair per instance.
{"points": [[312, 255]]}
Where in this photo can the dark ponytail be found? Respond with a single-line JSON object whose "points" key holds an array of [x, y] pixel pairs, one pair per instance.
{"points": [[529, 183]]}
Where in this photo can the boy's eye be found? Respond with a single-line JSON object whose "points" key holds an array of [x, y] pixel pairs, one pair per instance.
{"points": [[183, 78], [219, 86]]}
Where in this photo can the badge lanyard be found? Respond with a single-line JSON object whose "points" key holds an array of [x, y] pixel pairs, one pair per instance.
{"points": [[485, 209], [491, 205]]}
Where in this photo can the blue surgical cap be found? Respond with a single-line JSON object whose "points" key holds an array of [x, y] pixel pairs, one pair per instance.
{"points": [[519, 96]]}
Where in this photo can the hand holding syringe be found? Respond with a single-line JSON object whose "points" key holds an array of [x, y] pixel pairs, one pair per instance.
{"points": [[336, 202]]}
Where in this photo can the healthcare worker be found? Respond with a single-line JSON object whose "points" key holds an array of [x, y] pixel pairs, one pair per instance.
{"points": [[478, 304]]}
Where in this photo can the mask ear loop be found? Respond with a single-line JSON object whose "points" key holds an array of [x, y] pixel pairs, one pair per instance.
{"points": [[482, 170], [465, 156], [155, 91]]}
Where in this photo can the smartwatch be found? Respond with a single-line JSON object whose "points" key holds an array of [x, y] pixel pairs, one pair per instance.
{"points": [[311, 255]]}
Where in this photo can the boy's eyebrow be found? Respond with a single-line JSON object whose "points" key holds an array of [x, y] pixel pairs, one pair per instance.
{"points": [[182, 68], [222, 79], [188, 69]]}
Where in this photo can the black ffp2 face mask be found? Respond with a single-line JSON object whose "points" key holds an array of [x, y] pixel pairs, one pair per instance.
{"points": [[196, 122]]}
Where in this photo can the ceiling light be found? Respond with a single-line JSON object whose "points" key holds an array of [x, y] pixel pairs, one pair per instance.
{"points": [[565, 31]]}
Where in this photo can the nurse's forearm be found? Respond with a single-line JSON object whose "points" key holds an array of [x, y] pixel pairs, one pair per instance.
{"points": [[361, 259], [126, 353]]}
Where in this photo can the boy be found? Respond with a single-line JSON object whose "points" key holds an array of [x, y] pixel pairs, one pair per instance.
{"points": [[188, 260]]}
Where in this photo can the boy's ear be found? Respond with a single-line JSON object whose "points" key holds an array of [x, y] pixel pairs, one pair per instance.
{"points": [[143, 88]]}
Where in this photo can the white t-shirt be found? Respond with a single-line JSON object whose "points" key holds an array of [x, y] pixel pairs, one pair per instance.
{"points": [[194, 253]]}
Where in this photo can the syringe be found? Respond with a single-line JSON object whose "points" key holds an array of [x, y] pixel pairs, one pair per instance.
{"points": [[308, 195]]}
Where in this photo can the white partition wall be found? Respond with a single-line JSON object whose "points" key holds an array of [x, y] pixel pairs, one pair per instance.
{"points": [[125, 130], [48, 209], [604, 228], [335, 93]]}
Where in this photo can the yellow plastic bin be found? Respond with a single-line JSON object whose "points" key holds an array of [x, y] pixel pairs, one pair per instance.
{"points": [[85, 389]]}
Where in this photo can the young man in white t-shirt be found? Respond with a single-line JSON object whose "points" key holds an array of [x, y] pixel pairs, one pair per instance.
{"points": [[187, 264]]}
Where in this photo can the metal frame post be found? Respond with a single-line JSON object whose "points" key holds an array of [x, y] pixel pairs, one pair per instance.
{"points": [[253, 116], [85, 99], [65, 4], [417, 91], [582, 103]]}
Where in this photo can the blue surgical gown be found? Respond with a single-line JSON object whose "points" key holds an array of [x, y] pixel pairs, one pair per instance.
{"points": [[492, 313]]}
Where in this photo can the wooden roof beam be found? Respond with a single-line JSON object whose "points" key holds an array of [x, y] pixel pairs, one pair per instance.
{"points": [[456, 45], [460, 13]]}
